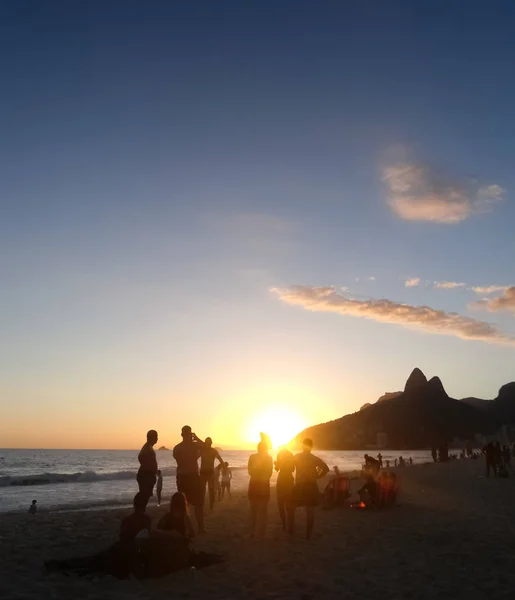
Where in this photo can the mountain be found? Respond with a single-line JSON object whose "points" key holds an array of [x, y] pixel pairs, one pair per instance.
{"points": [[420, 416], [502, 408], [163, 448]]}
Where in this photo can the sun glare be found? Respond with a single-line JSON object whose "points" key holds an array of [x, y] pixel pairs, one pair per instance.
{"points": [[281, 423]]}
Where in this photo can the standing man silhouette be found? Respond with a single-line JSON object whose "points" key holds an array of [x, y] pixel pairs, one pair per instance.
{"points": [[208, 454], [187, 453], [308, 468], [147, 473]]}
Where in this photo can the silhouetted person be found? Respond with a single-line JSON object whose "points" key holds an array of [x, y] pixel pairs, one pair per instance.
{"points": [[490, 459], [226, 480], [369, 492], [137, 522], [506, 457], [33, 509], [187, 454], [308, 468], [395, 463], [410, 460], [147, 472], [285, 466], [371, 465], [208, 454], [434, 454], [218, 487], [380, 459], [260, 469], [387, 464], [159, 487], [402, 462], [177, 520]]}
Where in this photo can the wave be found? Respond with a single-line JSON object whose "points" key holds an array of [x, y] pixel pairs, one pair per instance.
{"points": [[81, 477]]}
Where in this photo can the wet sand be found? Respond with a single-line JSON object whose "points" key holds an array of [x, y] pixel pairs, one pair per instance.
{"points": [[452, 536]]}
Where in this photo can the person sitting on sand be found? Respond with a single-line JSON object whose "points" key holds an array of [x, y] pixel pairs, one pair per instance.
{"points": [[178, 519], [143, 558], [226, 480], [137, 522], [187, 454], [260, 469], [285, 466], [33, 509], [369, 492], [147, 473], [308, 469], [208, 455]]}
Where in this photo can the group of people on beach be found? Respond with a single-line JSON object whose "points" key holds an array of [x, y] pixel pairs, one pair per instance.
{"points": [[297, 477], [498, 459]]}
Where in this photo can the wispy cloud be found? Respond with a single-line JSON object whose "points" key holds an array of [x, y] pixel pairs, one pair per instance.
{"points": [[417, 193], [489, 289], [413, 282], [501, 303], [448, 285], [424, 318]]}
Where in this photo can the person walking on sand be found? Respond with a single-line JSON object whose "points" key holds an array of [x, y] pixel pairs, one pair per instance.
{"points": [[285, 466], [159, 487], [308, 469], [33, 509], [208, 454], [380, 459], [186, 454], [260, 469], [226, 480], [147, 473]]}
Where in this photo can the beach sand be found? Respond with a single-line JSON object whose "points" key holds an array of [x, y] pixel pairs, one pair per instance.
{"points": [[452, 536]]}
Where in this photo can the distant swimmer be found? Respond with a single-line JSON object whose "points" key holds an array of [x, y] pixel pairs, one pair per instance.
{"points": [[187, 453], [159, 487], [33, 509], [208, 455], [260, 469], [285, 466], [147, 473], [308, 469], [226, 480]]}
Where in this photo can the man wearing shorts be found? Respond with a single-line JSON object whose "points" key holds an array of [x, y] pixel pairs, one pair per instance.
{"points": [[308, 468], [187, 454], [208, 454], [147, 473]]}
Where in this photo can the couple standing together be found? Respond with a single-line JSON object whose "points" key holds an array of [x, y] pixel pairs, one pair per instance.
{"points": [[292, 492], [190, 482]]}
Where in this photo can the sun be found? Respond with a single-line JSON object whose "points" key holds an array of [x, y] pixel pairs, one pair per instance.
{"points": [[281, 423]]}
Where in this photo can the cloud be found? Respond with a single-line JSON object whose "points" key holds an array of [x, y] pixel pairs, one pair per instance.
{"points": [[448, 285], [489, 289], [504, 302], [413, 282], [416, 193], [425, 318]]}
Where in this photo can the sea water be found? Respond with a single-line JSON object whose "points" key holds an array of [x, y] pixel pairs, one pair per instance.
{"points": [[79, 479]]}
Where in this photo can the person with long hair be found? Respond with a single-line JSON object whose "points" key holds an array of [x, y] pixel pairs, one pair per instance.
{"points": [[285, 466], [260, 469], [178, 519]]}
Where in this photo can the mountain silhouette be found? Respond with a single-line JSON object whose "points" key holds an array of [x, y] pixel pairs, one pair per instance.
{"points": [[419, 417], [501, 408]]}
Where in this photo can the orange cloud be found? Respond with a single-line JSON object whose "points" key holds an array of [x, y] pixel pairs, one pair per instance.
{"points": [[416, 193], [424, 318], [448, 285], [504, 302], [413, 282]]}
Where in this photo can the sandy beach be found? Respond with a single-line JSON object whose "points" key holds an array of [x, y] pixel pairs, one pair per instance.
{"points": [[452, 536]]}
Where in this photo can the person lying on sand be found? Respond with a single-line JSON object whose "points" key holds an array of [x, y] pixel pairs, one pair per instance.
{"points": [[143, 558]]}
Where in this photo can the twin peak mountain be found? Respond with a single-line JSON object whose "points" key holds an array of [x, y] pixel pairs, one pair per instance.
{"points": [[421, 416]]}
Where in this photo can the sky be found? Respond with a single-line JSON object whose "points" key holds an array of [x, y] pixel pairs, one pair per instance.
{"points": [[235, 214]]}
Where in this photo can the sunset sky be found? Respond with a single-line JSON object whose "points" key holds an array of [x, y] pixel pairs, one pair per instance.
{"points": [[230, 213]]}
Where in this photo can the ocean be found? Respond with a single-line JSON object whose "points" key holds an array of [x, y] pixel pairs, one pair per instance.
{"points": [[88, 479]]}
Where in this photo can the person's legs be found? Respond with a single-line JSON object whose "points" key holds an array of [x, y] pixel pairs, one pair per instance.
{"points": [[203, 483], [262, 517], [159, 496], [199, 516], [211, 491], [253, 517], [310, 520], [282, 511]]}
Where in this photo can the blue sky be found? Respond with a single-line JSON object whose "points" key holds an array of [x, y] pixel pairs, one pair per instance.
{"points": [[165, 166]]}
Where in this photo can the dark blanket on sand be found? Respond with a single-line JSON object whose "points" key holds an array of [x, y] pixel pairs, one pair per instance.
{"points": [[142, 558]]}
